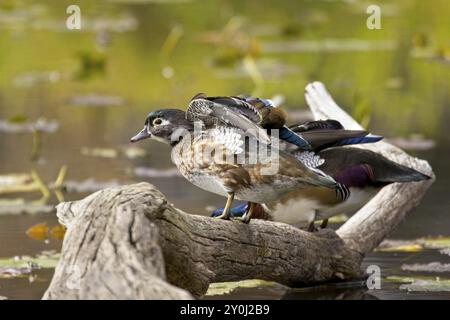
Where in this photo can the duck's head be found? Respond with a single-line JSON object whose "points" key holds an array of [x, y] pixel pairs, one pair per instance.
{"points": [[166, 125]]}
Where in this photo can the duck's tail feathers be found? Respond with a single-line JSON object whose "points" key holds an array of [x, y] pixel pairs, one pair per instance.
{"points": [[400, 174], [342, 191]]}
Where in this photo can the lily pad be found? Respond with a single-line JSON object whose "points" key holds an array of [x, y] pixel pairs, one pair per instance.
{"points": [[23, 265], [440, 242], [33, 78], [42, 231], [129, 152], [89, 185], [42, 124], [399, 246], [38, 231], [10, 182], [145, 172], [221, 288], [133, 152], [417, 245], [422, 284], [414, 142], [99, 152], [327, 45], [427, 267], [58, 232], [340, 218], [18, 118], [20, 206], [96, 100]]}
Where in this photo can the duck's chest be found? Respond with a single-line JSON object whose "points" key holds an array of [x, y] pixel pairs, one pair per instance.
{"points": [[197, 168], [198, 162]]}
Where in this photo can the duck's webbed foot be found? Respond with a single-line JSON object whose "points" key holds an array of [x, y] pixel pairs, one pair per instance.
{"points": [[324, 224], [225, 215], [248, 214], [312, 227]]}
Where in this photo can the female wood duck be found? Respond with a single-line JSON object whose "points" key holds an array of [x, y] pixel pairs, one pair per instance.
{"points": [[209, 159], [362, 171]]}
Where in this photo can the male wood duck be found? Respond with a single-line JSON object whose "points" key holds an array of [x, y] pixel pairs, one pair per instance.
{"points": [[208, 159], [363, 172], [265, 114]]}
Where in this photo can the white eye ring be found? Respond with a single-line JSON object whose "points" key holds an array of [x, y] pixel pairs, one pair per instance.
{"points": [[157, 121]]}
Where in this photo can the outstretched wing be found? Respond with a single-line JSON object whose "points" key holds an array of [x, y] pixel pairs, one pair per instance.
{"points": [[211, 113], [237, 104], [323, 134], [244, 113]]}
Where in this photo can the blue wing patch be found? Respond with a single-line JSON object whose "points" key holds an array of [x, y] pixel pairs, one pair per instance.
{"points": [[290, 136], [359, 140]]}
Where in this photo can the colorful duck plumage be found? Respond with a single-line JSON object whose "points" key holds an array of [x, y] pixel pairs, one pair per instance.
{"points": [[223, 131]]}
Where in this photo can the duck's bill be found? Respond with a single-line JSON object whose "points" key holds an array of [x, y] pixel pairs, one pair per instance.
{"points": [[143, 134]]}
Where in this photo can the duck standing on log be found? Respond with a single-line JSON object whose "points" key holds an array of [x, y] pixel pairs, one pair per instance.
{"points": [[217, 158]]}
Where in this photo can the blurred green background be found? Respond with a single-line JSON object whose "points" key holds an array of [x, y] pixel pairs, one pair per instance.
{"points": [[73, 98]]}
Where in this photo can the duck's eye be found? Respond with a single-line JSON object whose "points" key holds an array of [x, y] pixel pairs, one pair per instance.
{"points": [[157, 121]]}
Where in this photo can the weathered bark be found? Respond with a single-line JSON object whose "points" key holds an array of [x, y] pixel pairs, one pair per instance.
{"points": [[125, 242], [111, 249]]}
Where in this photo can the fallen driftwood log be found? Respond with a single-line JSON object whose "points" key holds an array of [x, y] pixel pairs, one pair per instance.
{"points": [[129, 243]]}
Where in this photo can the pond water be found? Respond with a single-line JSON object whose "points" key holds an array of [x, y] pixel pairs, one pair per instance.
{"points": [[74, 98]]}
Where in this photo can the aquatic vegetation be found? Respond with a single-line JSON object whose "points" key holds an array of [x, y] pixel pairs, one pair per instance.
{"points": [[21, 206], [30, 182], [399, 246], [427, 267], [168, 49], [327, 45], [20, 266], [421, 284], [21, 124], [221, 288], [30, 79], [42, 231], [413, 142], [22, 182], [111, 153], [233, 43], [91, 64], [38, 231], [99, 152], [89, 185], [90, 86], [340, 218], [415, 245], [96, 100], [134, 152], [145, 172], [149, 1], [440, 242]]}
